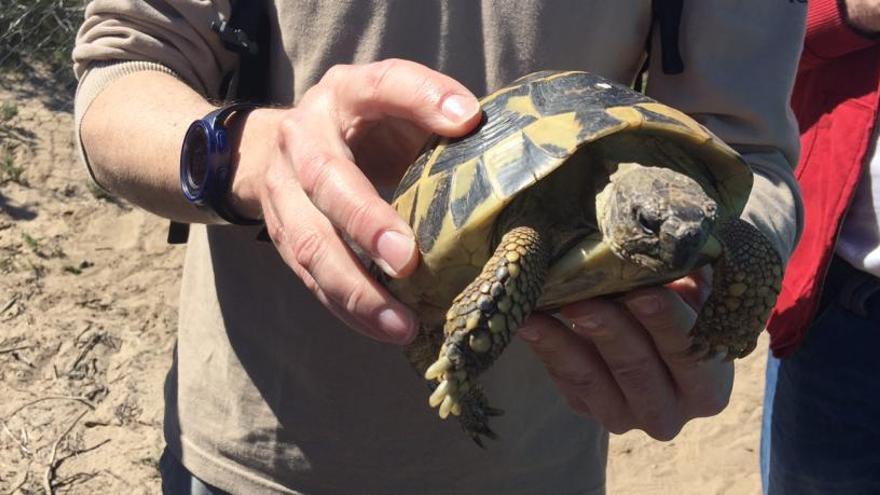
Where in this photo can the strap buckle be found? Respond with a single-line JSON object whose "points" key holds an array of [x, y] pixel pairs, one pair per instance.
{"points": [[233, 38]]}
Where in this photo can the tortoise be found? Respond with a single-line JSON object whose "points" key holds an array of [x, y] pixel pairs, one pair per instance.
{"points": [[572, 187]]}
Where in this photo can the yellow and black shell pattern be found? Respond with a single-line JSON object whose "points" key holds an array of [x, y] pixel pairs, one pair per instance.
{"points": [[452, 194]]}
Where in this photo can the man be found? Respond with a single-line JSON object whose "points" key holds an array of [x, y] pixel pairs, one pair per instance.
{"points": [[821, 404], [270, 392]]}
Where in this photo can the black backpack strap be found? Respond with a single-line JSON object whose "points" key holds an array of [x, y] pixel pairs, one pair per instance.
{"points": [[178, 232], [667, 15], [247, 33]]}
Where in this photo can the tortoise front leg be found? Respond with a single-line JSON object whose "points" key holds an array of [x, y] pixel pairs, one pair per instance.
{"points": [[745, 282], [480, 323]]}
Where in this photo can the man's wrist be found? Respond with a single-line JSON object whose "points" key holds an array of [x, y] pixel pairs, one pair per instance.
{"points": [[253, 140]]}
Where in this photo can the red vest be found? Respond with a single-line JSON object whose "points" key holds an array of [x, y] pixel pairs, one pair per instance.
{"points": [[836, 100]]}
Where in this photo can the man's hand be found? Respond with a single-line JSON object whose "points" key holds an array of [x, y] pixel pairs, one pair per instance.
{"points": [[626, 364], [308, 170], [358, 124], [864, 14]]}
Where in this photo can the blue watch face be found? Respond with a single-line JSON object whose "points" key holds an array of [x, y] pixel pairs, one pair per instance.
{"points": [[206, 165], [194, 162]]}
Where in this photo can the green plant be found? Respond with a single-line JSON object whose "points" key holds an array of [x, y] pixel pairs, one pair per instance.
{"points": [[8, 111], [38, 34], [99, 193], [9, 171], [151, 462], [31, 242], [43, 250]]}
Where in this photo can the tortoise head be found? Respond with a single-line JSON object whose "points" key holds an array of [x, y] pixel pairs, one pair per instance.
{"points": [[655, 217]]}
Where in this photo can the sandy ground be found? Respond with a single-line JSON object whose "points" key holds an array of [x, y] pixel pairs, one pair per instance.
{"points": [[711, 456], [87, 309]]}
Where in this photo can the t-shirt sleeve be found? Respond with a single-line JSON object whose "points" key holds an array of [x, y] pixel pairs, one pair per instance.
{"points": [[174, 34], [740, 62], [119, 37]]}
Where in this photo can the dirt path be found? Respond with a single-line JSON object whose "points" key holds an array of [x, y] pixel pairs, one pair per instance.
{"points": [[87, 307]]}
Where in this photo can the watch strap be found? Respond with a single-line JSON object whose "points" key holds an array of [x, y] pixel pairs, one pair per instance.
{"points": [[216, 197], [213, 193]]}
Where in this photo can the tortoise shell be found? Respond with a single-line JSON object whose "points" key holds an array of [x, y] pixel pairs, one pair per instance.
{"points": [[454, 192]]}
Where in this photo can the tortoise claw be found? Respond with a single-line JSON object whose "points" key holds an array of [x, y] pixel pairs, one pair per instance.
{"points": [[479, 441], [475, 415], [477, 437], [494, 412]]}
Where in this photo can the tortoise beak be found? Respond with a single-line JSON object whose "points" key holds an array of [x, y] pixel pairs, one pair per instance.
{"points": [[682, 241]]}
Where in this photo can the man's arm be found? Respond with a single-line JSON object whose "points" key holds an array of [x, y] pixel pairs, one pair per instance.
{"points": [[864, 15], [147, 74], [838, 27], [296, 168]]}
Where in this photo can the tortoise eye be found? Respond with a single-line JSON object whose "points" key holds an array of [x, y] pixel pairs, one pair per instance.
{"points": [[650, 224]]}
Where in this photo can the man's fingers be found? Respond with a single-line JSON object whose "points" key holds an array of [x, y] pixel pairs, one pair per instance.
{"points": [[578, 372], [341, 192], [633, 361], [316, 198], [310, 245], [404, 89], [640, 345], [694, 289], [316, 139], [669, 319]]}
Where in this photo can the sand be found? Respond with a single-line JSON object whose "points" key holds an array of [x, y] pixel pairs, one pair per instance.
{"points": [[88, 293]]}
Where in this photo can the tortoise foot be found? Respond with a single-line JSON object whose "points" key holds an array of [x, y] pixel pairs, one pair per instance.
{"points": [[746, 281], [452, 380]]}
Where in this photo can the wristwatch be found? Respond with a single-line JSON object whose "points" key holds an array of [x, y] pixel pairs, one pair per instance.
{"points": [[206, 167]]}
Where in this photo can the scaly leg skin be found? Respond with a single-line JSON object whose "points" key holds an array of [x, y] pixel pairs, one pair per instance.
{"points": [[480, 324], [746, 280]]}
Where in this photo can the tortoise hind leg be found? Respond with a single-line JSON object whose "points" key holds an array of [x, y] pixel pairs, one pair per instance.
{"points": [[480, 323], [745, 282]]}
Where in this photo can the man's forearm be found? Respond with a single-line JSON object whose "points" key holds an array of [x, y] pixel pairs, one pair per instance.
{"points": [[132, 135]]}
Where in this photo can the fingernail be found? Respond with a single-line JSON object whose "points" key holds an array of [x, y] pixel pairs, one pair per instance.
{"points": [[397, 324], [458, 108], [396, 251], [529, 334], [587, 321], [646, 305]]}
